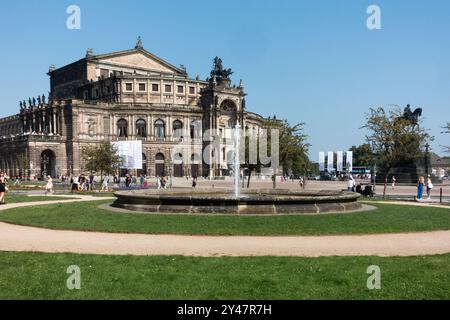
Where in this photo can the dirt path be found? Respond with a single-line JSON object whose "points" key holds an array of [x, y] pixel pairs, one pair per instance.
{"points": [[22, 238]]}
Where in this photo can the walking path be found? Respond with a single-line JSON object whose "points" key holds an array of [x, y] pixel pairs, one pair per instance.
{"points": [[32, 239]]}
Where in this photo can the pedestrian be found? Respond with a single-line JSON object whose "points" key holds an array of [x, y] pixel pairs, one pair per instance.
{"points": [[351, 184], [394, 180], [429, 187], [420, 187], [74, 184], [105, 183], [49, 185], [301, 182], [142, 179], [3, 188], [158, 182], [194, 182]]}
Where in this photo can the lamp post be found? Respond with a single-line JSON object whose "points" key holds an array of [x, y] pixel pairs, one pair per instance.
{"points": [[374, 157], [170, 174]]}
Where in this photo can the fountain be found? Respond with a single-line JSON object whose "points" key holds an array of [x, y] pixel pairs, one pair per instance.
{"points": [[251, 201]]}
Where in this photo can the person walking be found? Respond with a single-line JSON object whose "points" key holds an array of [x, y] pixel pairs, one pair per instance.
{"points": [[429, 187], [49, 185], [420, 187], [394, 180], [351, 184], [3, 188], [105, 183], [194, 182], [158, 182]]}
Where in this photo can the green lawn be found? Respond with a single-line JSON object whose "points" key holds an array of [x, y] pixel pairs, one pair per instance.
{"points": [[43, 276], [88, 216], [25, 198]]}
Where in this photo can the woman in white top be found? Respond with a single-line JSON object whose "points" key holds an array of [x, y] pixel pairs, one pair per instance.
{"points": [[49, 186], [351, 184], [430, 186]]}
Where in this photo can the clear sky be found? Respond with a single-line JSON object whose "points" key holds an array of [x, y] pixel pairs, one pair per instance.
{"points": [[306, 61]]}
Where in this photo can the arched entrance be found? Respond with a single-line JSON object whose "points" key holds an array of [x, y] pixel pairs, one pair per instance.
{"points": [[144, 166], [159, 165], [48, 164], [178, 165], [195, 165]]}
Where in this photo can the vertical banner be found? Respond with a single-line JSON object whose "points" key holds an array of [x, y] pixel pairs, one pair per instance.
{"points": [[321, 161], [340, 161], [349, 161], [330, 161], [130, 152]]}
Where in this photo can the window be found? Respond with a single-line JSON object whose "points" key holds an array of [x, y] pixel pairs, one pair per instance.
{"points": [[86, 95], [141, 128], [191, 90], [168, 88], [96, 93], [108, 89], [155, 87], [180, 89], [195, 129], [159, 157], [177, 129], [104, 73], [141, 86], [160, 129], [122, 128], [128, 86]]}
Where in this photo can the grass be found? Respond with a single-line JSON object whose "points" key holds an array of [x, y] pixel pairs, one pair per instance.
{"points": [[89, 217], [43, 276], [24, 198]]}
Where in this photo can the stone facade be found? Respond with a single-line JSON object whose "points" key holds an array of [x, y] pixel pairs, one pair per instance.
{"points": [[125, 95]]}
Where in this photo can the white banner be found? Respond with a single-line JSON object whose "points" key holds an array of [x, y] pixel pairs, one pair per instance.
{"points": [[321, 161], [330, 161], [130, 152], [349, 161], [340, 161]]}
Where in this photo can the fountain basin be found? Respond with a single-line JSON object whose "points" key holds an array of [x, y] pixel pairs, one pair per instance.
{"points": [[257, 201]]}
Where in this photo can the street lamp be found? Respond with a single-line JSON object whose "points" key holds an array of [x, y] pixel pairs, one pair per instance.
{"points": [[375, 158]]}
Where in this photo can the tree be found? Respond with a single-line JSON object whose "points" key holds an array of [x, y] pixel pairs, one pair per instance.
{"points": [[362, 155], [102, 158], [394, 139], [293, 148], [447, 130], [24, 164]]}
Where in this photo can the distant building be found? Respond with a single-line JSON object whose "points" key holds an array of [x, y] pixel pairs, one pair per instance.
{"points": [[440, 165], [125, 95]]}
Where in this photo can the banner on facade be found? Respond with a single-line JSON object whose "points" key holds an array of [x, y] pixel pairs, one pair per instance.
{"points": [[349, 161], [330, 167], [340, 161], [321, 161], [130, 152]]}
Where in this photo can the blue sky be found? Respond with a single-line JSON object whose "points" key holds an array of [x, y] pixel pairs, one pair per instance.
{"points": [[306, 61]]}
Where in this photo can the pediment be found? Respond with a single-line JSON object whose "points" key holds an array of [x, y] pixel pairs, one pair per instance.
{"points": [[140, 59]]}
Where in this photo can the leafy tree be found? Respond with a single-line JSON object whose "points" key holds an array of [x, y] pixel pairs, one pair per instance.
{"points": [[393, 139], [447, 130], [102, 158], [293, 148], [362, 155], [24, 164]]}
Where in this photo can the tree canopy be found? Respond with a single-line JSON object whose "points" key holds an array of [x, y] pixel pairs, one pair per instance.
{"points": [[102, 158], [393, 139], [362, 155]]}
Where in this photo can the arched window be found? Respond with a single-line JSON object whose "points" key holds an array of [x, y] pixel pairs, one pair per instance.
{"points": [[141, 126], [195, 129], [177, 129], [122, 128], [160, 129]]}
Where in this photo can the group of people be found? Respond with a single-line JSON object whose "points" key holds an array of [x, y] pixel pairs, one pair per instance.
{"points": [[424, 183], [82, 183]]}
